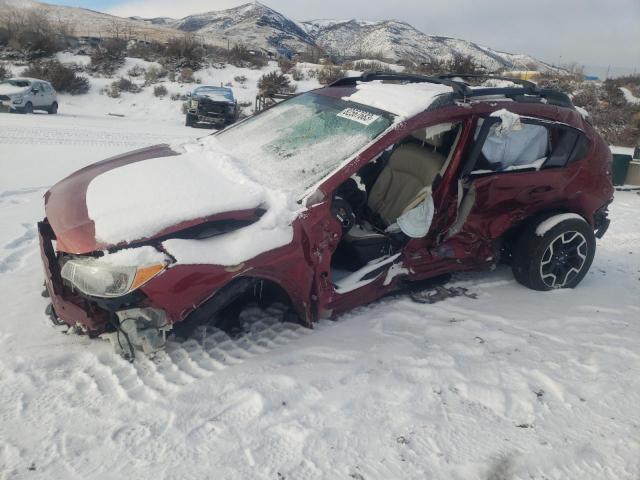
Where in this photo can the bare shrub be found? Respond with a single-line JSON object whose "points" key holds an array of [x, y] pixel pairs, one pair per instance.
{"points": [[297, 74], [136, 71], [153, 74], [185, 52], [63, 78], [274, 82], [186, 76], [33, 34], [241, 56], [121, 85], [311, 55], [329, 74], [241, 79], [371, 66], [108, 56], [160, 91], [286, 65], [149, 51], [5, 36], [461, 64], [4, 72], [464, 65]]}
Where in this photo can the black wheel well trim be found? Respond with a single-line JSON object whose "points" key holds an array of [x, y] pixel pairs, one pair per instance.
{"points": [[513, 233], [235, 289]]}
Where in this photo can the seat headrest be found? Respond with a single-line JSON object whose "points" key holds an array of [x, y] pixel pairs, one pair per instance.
{"points": [[416, 161], [432, 136]]}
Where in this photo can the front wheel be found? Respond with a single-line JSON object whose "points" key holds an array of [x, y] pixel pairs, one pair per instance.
{"points": [[189, 120], [28, 108], [554, 252]]}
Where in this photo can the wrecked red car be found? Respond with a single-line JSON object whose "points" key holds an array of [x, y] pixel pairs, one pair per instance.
{"points": [[328, 201]]}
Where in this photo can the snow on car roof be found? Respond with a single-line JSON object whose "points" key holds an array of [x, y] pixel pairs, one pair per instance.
{"points": [[403, 100], [28, 79]]}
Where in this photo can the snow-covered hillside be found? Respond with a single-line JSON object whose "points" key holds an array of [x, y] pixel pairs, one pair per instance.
{"points": [[515, 384], [253, 24], [260, 27], [398, 40], [82, 22]]}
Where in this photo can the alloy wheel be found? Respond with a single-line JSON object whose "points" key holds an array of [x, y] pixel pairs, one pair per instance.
{"points": [[563, 259]]}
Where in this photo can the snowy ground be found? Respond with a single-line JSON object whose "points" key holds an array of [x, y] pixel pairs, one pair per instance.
{"points": [[516, 384]]}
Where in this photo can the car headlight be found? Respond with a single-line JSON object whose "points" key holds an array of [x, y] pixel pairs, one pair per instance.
{"points": [[99, 278], [17, 99], [194, 103]]}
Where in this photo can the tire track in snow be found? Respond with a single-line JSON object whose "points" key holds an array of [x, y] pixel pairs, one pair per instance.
{"points": [[55, 135], [20, 248]]}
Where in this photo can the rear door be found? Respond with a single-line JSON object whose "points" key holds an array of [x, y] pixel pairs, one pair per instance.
{"points": [[508, 177], [39, 95]]}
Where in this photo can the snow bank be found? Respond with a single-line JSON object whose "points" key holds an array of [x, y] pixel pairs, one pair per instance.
{"points": [[141, 199], [402, 100]]}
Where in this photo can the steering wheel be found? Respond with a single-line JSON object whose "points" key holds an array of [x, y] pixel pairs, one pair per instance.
{"points": [[343, 212]]}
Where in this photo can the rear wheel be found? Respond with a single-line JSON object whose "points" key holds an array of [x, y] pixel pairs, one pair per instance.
{"points": [[557, 257], [53, 109]]}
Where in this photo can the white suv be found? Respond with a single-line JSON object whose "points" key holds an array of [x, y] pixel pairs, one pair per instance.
{"points": [[24, 95]]}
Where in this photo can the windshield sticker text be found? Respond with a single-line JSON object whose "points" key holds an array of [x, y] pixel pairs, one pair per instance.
{"points": [[360, 116]]}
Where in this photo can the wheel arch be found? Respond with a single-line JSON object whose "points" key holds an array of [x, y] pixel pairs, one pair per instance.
{"points": [[507, 240], [244, 287]]}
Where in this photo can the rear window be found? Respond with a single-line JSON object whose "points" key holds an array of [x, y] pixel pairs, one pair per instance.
{"points": [[17, 83]]}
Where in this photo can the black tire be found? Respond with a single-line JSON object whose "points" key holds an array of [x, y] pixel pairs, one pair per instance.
{"points": [[28, 108], [189, 120], [53, 109], [558, 258]]}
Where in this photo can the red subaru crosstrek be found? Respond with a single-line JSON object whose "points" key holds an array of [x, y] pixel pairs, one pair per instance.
{"points": [[329, 200]]}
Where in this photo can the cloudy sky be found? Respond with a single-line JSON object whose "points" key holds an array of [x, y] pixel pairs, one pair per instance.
{"points": [[591, 32]]}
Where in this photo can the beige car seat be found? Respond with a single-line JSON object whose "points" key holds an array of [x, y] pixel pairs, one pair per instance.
{"points": [[411, 168]]}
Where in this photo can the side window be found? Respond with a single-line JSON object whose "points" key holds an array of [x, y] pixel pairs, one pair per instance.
{"points": [[523, 143], [506, 148]]}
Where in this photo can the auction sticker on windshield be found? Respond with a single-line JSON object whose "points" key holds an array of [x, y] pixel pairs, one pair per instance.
{"points": [[360, 116]]}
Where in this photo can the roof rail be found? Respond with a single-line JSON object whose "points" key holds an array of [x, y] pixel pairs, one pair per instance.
{"points": [[463, 91], [458, 87], [518, 81]]}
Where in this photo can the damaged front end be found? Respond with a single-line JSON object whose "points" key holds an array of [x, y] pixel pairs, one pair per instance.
{"points": [[100, 296]]}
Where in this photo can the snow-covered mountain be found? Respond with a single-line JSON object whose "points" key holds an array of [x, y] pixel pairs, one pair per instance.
{"points": [[396, 40], [253, 24], [260, 27]]}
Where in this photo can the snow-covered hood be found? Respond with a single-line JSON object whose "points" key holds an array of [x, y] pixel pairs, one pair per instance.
{"points": [[154, 193], [10, 90]]}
